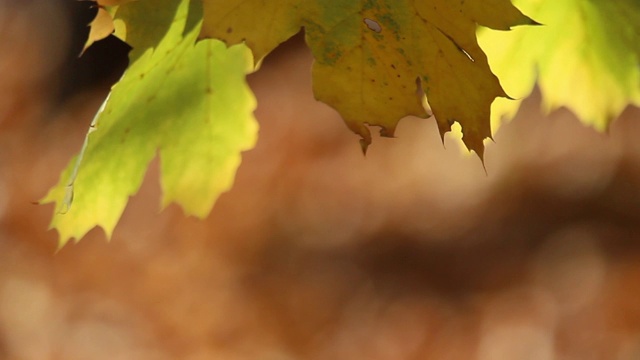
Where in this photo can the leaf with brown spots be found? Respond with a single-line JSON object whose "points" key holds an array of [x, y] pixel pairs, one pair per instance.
{"points": [[376, 60]]}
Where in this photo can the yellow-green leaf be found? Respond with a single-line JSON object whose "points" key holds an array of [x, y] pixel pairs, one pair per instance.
{"points": [[187, 101], [586, 57]]}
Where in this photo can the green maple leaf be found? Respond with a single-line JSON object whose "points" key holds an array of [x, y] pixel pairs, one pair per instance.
{"points": [[586, 57], [187, 101], [375, 60]]}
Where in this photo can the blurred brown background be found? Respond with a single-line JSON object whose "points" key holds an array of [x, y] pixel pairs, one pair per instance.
{"points": [[318, 252]]}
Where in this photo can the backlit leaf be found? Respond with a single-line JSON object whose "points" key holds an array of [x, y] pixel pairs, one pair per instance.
{"points": [[186, 101], [586, 57]]}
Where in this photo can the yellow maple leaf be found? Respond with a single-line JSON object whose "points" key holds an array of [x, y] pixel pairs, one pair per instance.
{"points": [[376, 60]]}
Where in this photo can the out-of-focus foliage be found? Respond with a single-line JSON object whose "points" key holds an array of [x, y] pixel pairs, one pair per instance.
{"points": [[586, 57]]}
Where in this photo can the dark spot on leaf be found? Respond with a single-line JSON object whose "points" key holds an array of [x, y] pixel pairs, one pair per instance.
{"points": [[229, 30], [125, 135]]}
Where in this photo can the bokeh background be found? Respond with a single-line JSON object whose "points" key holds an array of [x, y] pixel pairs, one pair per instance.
{"points": [[412, 252]]}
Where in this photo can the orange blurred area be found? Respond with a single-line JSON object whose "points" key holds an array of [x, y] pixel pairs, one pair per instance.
{"points": [[412, 252]]}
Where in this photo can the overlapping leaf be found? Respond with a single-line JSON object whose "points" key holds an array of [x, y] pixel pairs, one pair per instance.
{"points": [[102, 24], [187, 101], [375, 60], [100, 27], [586, 57]]}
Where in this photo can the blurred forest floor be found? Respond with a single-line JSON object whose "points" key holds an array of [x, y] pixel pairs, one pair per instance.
{"points": [[318, 252]]}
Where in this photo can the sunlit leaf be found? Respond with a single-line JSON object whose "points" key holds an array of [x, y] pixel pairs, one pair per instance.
{"points": [[186, 101], [375, 60], [586, 57]]}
